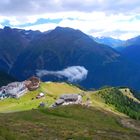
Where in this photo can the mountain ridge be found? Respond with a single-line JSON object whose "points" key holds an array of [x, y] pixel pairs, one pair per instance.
{"points": [[65, 47]]}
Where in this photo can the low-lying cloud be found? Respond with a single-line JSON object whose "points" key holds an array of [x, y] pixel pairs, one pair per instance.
{"points": [[73, 73]]}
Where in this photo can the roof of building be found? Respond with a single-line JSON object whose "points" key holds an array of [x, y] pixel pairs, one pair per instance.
{"points": [[41, 94], [34, 79], [59, 101], [15, 84], [69, 97], [32, 83], [42, 104]]}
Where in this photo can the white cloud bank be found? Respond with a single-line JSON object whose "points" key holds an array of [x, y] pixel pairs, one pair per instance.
{"points": [[33, 7], [118, 19], [73, 74], [96, 24]]}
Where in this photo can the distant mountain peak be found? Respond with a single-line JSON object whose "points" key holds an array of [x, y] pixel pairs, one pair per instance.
{"points": [[23, 52], [7, 28], [63, 28], [66, 29], [112, 42]]}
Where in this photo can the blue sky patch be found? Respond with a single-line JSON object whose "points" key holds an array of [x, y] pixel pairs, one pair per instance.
{"points": [[39, 21], [42, 21], [6, 23]]}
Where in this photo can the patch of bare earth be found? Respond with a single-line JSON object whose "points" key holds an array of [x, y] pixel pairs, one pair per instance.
{"points": [[130, 123]]}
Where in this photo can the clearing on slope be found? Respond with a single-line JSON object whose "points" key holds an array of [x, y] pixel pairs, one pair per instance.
{"points": [[27, 102], [66, 122]]}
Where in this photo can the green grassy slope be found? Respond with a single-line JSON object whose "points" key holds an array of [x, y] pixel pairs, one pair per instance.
{"points": [[69, 122], [51, 90], [105, 119], [121, 100]]}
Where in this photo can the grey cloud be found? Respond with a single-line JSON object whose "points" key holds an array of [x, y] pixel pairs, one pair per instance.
{"points": [[73, 74], [31, 7], [118, 33]]}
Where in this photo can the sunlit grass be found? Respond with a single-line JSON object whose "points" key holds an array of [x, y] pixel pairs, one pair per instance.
{"points": [[29, 101]]}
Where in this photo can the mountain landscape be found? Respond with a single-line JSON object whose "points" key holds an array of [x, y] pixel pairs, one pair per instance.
{"points": [[112, 42], [69, 55], [65, 56], [130, 48], [132, 51], [112, 113], [69, 70], [60, 49]]}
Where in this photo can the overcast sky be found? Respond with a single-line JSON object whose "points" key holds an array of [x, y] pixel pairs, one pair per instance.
{"points": [[114, 18]]}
